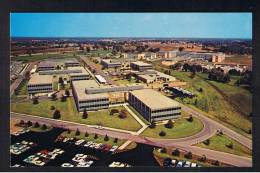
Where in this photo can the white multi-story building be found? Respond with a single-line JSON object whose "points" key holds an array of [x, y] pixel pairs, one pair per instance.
{"points": [[154, 106], [40, 84]]}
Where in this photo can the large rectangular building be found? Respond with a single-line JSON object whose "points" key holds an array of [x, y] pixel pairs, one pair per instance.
{"points": [[90, 102], [110, 63], [40, 84], [154, 106], [46, 65], [140, 66]]}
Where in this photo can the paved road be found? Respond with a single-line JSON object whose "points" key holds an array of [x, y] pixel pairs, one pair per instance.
{"points": [[20, 78], [98, 71], [224, 157]]}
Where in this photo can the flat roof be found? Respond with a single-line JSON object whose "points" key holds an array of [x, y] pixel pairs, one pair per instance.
{"points": [[40, 79], [100, 78], [80, 87], [46, 64], [154, 99], [141, 63]]}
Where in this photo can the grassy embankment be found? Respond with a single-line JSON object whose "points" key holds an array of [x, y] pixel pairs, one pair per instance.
{"points": [[69, 112]]}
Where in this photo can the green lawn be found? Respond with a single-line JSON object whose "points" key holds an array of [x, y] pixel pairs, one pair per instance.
{"points": [[212, 102], [219, 142], [39, 129], [125, 81], [182, 128], [100, 138], [22, 89], [69, 113]]}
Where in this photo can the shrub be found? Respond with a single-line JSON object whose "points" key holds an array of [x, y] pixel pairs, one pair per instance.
{"points": [[21, 122], [77, 132], [96, 136], [68, 131], [86, 134], [63, 98], [219, 132], [85, 114], [52, 107], [123, 114], [229, 145], [29, 123], [35, 100], [53, 96], [153, 125], [206, 142], [216, 163], [56, 114], [176, 152], [162, 133], [115, 141], [188, 155], [67, 92], [106, 138], [36, 125], [169, 124], [113, 111], [190, 119], [249, 131], [203, 158], [44, 127], [163, 150]]}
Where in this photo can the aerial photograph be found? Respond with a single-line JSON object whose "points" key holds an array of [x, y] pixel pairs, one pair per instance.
{"points": [[131, 90]]}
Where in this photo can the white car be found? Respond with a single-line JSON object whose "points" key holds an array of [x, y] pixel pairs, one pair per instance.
{"points": [[187, 164], [99, 127], [174, 162], [179, 164], [67, 165], [193, 165], [79, 142]]}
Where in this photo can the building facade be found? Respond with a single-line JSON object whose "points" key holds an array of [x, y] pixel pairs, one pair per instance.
{"points": [[140, 66], [154, 106], [40, 84]]}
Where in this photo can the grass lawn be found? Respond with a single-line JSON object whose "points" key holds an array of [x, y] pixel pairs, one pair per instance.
{"points": [[100, 138], [180, 158], [22, 89], [219, 142], [69, 113], [212, 102], [181, 128], [125, 81], [39, 129]]}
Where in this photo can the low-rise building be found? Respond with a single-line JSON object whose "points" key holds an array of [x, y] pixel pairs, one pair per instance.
{"points": [[40, 84], [154, 106], [219, 57], [140, 66], [110, 63], [73, 62], [89, 102], [46, 65], [79, 76]]}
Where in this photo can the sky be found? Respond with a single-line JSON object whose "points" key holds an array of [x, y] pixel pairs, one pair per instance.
{"points": [[173, 25]]}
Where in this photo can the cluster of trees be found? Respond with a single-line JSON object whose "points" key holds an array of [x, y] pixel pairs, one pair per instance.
{"points": [[246, 79], [192, 68], [218, 74]]}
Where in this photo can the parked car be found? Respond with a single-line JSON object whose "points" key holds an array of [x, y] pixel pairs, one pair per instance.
{"points": [[67, 165]]}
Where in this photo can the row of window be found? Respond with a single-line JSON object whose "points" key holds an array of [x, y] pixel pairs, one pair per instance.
{"points": [[39, 85], [167, 115], [164, 110], [93, 106], [97, 100], [40, 89]]}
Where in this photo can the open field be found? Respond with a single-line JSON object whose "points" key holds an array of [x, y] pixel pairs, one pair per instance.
{"points": [[181, 128], [239, 59], [69, 112], [214, 104], [100, 138], [44, 56], [219, 142], [22, 89]]}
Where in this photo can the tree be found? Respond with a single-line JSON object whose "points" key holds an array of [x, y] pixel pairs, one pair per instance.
{"points": [[176, 152], [54, 96], [77, 133], [52, 107], [206, 142], [201, 90], [113, 111], [188, 155], [106, 138], [181, 49], [229, 145], [153, 125], [123, 114], [56, 114], [86, 134], [67, 92], [96, 136], [162, 133], [29, 123], [35, 100], [44, 127], [190, 119], [21, 122], [36, 125], [68, 131], [61, 80], [116, 139], [169, 124], [203, 158], [63, 98], [186, 67], [163, 150], [85, 114], [216, 163], [27, 75]]}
